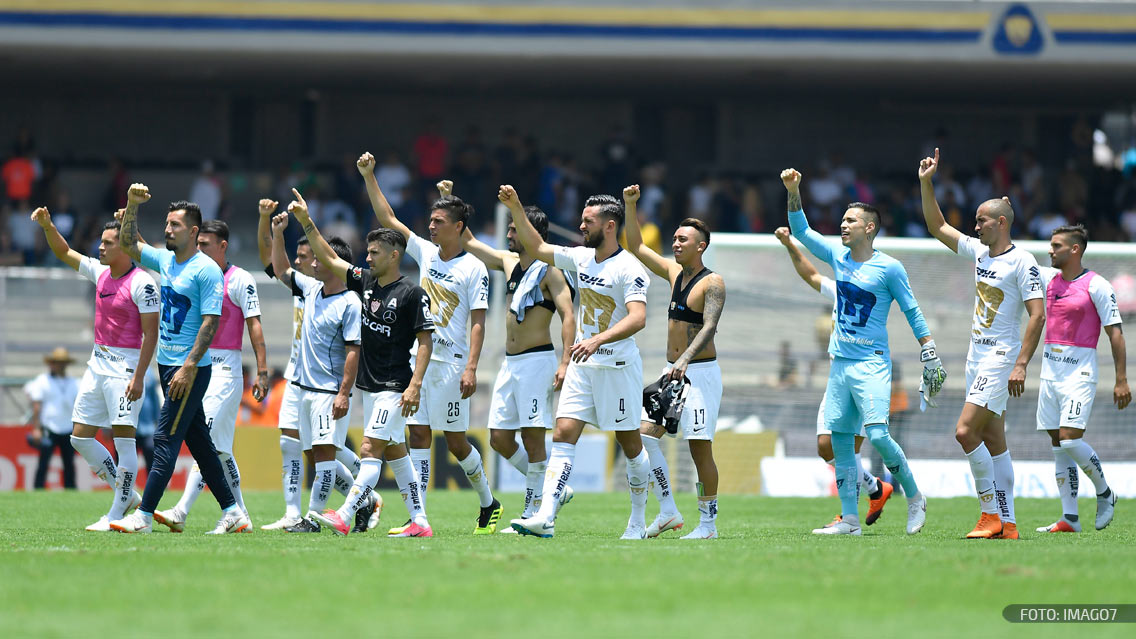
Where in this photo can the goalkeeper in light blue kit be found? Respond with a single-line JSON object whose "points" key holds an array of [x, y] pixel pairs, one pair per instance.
{"points": [[859, 382]]}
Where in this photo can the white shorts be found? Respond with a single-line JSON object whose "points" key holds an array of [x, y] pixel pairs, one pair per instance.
{"points": [[221, 402], [608, 398], [522, 394], [699, 417], [102, 402], [290, 407], [317, 428], [822, 428], [987, 383], [1065, 404], [382, 417], [442, 406]]}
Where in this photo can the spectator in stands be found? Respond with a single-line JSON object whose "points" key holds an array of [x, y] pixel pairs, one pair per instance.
{"points": [[394, 180], [19, 174], [701, 195], [1073, 190], [787, 376], [824, 191], [653, 200], [118, 182], [506, 158], [52, 395], [569, 204], [1043, 224], [753, 208], [617, 157], [979, 188], [206, 192], [431, 155], [9, 256], [23, 232]]}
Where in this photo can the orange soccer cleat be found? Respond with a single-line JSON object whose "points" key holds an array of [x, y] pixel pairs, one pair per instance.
{"points": [[1009, 531], [988, 527], [876, 506]]}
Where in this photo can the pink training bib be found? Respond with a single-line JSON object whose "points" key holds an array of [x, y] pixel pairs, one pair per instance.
{"points": [[1070, 316], [229, 334], [117, 320]]}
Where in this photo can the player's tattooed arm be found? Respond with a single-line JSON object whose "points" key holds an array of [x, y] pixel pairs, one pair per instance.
{"points": [[320, 248], [795, 200], [264, 230], [209, 324], [56, 241], [1121, 394], [714, 299], [128, 235]]}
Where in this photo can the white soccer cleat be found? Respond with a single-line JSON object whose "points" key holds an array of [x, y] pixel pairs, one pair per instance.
{"points": [[507, 530], [233, 521], [1060, 526], [1106, 508], [102, 525], [916, 515], [373, 520], [635, 530], [534, 526], [132, 523], [841, 528], [663, 523], [173, 519], [282, 523], [135, 502], [250, 528], [566, 496], [702, 532]]}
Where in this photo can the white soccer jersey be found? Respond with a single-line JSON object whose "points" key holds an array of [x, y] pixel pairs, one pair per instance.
{"points": [[1002, 285], [828, 288], [330, 323], [605, 289], [108, 359], [1069, 322], [297, 326], [241, 302], [455, 287]]}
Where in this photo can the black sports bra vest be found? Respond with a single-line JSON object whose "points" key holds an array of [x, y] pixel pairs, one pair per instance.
{"points": [[678, 310], [515, 280]]}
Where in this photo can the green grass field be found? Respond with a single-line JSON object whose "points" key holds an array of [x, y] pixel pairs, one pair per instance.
{"points": [[765, 576]]}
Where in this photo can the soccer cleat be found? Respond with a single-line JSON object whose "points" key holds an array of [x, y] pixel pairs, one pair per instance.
{"points": [[487, 519], [876, 506], [233, 521], [414, 530], [988, 527], [534, 526], [839, 528], [1106, 508], [1009, 531], [566, 496], [248, 529], [916, 514], [331, 518], [363, 516], [173, 519], [135, 501], [373, 520], [102, 525], [702, 531], [1061, 526], [306, 525], [835, 520], [663, 523], [635, 530], [398, 530], [280, 524], [132, 523], [507, 530]]}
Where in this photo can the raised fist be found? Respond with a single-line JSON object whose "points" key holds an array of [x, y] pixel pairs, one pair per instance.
{"points": [[118, 215], [782, 233], [508, 196], [366, 164], [631, 194], [138, 194], [791, 178], [445, 187], [279, 222], [42, 217], [267, 206], [928, 166]]}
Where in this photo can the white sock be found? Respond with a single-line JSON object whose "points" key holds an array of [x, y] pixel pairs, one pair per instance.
{"points": [[421, 459], [708, 511], [660, 477], [194, 485], [1004, 487], [348, 458], [534, 485], [638, 476], [1067, 478], [292, 465], [124, 480], [369, 469], [520, 460], [406, 476], [322, 485], [559, 471], [982, 468], [476, 475], [343, 478], [97, 457], [1087, 459], [232, 477], [868, 483]]}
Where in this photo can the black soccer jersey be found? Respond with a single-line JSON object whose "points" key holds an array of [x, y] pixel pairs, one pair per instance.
{"points": [[392, 316]]}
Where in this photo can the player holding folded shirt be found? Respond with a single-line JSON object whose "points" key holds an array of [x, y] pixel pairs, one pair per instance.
{"points": [[1078, 303], [522, 393], [1006, 279], [697, 297], [240, 308], [859, 381], [395, 313], [327, 365], [458, 286], [126, 333], [878, 490], [604, 382]]}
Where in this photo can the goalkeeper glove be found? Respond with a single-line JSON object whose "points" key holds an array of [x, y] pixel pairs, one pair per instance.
{"points": [[933, 374]]}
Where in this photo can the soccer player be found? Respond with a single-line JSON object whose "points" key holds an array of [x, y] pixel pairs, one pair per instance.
{"points": [[240, 305], [327, 365], [878, 490], [522, 393], [697, 297], [1006, 278], [1078, 302], [859, 380], [126, 333], [192, 288], [395, 314], [458, 286], [603, 384]]}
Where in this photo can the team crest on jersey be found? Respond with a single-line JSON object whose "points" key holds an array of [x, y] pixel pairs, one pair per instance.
{"points": [[357, 272], [375, 306]]}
